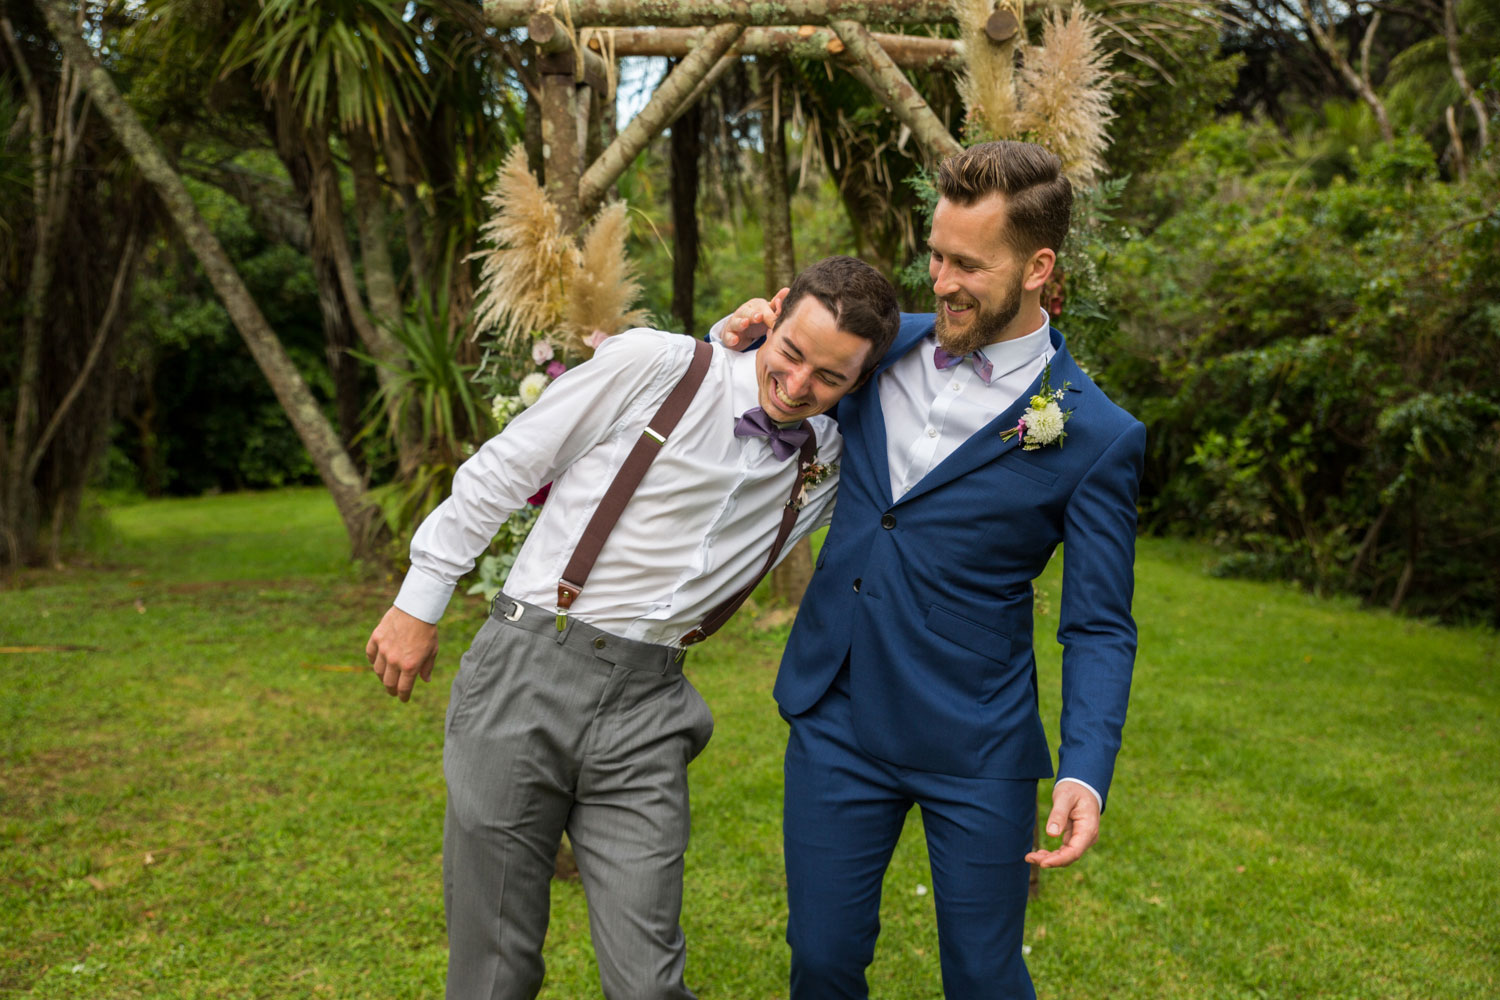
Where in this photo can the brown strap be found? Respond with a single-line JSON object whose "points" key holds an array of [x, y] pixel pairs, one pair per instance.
{"points": [[576, 574], [718, 616]]}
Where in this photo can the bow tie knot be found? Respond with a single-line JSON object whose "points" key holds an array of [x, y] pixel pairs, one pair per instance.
{"points": [[942, 360], [784, 441]]}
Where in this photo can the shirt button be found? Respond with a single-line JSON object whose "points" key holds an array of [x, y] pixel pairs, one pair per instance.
{"points": [[888, 521], [955, 387], [932, 432]]}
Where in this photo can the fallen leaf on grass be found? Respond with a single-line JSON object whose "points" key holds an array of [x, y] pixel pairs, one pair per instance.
{"points": [[335, 667]]}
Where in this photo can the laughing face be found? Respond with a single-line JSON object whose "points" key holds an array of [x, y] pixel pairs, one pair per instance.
{"points": [[807, 363], [979, 279]]}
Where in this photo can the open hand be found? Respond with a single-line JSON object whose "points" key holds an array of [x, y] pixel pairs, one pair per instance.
{"points": [[401, 649], [751, 321], [1075, 818]]}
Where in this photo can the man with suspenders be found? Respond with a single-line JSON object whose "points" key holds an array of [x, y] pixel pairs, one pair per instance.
{"points": [[679, 473]]}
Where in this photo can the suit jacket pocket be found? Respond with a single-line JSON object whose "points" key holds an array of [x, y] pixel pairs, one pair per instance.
{"points": [[970, 635], [1028, 470]]}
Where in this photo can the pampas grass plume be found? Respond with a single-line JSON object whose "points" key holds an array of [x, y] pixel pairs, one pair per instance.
{"points": [[605, 286], [1063, 92], [525, 269]]}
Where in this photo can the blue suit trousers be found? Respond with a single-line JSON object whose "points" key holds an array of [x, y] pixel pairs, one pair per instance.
{"points": [[844, 810]]}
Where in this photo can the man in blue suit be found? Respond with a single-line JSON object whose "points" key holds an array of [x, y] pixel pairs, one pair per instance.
{"points": [[909, 679]]}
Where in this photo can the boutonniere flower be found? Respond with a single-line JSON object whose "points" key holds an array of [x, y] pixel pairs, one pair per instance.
{"points": [[812, 473], [1043, 421]]}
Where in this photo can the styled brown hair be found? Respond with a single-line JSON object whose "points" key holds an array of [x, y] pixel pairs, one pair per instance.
{"points": [[861, 299], [1038, 198]]}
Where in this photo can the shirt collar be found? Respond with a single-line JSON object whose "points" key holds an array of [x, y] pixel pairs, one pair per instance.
{"points": [[1008, 355]]}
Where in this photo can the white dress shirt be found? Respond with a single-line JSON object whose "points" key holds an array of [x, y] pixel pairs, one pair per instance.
{"points": [[930, 411], [700, 525]]}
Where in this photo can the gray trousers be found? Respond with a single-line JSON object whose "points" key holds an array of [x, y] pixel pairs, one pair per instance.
{"points": [[576, 731]]}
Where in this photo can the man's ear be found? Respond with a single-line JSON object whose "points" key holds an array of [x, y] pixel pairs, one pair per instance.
{"points": [[1039, 267]]}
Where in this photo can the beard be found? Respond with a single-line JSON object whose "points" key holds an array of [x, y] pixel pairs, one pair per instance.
{"points": [[987, 326]]}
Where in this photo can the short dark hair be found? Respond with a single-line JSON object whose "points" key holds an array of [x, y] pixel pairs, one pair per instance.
{"points": [[1038, 198], [861, 299]]}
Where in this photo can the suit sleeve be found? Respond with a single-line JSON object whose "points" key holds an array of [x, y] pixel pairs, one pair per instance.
{"points": [[1097, 631]]}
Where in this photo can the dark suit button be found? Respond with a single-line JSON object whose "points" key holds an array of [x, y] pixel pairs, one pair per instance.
{"points": [[856, 584], [888, 521]]}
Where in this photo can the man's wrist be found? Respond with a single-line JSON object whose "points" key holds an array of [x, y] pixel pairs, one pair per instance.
{"points": [[423, 596], [1092, 790]]}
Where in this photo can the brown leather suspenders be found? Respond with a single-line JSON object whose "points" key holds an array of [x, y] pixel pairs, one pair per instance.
{"points": [[576, 573]]}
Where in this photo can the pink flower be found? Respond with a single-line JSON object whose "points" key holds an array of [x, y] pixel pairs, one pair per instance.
{"points": [[541, 352], [555, 369], [595, 339], [1021, 429]]}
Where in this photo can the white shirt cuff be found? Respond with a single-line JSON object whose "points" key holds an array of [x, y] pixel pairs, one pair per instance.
{"points": [[423, 596], [1092, 790]]}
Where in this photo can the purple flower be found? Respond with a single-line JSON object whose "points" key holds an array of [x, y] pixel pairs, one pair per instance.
{"points": [[555, 369]]}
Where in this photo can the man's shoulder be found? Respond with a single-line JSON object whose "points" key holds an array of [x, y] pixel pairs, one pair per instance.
{"points": [[643, 345]]}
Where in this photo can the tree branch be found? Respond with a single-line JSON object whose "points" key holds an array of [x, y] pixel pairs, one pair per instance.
{"points": [[888, 83], [668, 100], [627, 13]]}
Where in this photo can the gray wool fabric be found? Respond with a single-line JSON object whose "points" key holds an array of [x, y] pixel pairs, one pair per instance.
{"points": [[577, 731]]}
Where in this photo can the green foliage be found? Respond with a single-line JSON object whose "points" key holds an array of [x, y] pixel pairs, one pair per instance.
{"points": [[1319, 367], [432, 391]]}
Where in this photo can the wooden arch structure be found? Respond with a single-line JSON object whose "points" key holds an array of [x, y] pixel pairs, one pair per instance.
{"points": [[708, 36]]}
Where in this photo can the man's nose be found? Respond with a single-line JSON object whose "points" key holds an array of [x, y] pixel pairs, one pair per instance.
{"points": [[943, 284], [796, 380]]}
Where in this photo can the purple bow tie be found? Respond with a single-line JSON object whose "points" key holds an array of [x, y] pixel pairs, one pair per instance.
{"points": [[982, 367], [783, 440]]}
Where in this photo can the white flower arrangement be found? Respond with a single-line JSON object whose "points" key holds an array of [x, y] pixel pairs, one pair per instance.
{"points": [[531, 388], [1042, 423]]}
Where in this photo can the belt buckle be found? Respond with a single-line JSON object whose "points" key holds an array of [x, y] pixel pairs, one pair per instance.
{"points": [[514, 614]]}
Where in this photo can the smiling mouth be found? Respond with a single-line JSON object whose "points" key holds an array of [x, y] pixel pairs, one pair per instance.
{"points": [[785, 401], [956, 310]]}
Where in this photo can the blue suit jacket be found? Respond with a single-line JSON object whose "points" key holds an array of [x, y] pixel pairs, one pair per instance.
{"points": [[930, 596]]}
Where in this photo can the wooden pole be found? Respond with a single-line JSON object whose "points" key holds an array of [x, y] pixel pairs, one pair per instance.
{"points": [[665, 104], [694, 13], [886, 80], [806, 42]]}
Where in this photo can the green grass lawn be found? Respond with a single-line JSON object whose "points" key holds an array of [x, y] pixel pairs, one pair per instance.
{"points": [[205, 794]]}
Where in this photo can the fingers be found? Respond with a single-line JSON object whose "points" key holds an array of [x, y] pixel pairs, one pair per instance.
{"points": [[1074, 818]]}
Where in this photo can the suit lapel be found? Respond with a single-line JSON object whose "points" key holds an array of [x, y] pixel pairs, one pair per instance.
{"points": [[985, 445], [862, 409]]}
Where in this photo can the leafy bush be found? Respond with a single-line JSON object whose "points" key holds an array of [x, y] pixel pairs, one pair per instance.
{"points": [[1318, 367]]}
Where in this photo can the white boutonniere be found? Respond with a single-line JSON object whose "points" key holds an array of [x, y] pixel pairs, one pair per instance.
{"points": [[1043, 421], [812, 474]]}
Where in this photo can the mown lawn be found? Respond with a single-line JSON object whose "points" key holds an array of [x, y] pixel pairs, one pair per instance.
{"points": [[205, 795]]}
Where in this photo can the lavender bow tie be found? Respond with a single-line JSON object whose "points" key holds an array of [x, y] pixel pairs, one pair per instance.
{"points": [[982, 367], [783, 440]]}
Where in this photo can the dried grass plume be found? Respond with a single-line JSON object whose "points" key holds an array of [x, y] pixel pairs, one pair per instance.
{"points": [[1063, 90], [1059, 95], [605, 287], [524, 270]]}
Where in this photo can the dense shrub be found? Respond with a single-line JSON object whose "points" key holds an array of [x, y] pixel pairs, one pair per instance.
{"points": [[1318, 367]]}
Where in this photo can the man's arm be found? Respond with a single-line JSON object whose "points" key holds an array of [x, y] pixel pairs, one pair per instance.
{"points": [[1098, 636], [577, 412]]}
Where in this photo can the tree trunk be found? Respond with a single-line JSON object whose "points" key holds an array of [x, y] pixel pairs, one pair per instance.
{"points": [[790, 578], [1358, 82], [686, 146], [337, 471], [1456, 67], [369, 211]]}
